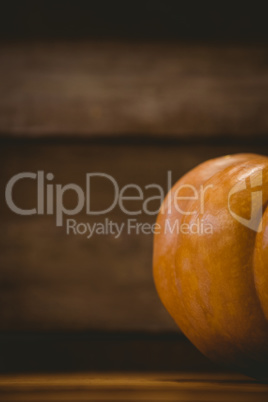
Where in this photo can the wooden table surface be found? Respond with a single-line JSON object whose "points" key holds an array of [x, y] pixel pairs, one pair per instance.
{"points": [[132, 387]]}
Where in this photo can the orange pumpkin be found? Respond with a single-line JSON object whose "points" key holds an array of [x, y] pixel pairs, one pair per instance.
{"points": [[211, 260]]}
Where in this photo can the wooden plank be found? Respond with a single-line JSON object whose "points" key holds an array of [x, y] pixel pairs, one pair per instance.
{"points": [[55, 352], [133, 387], [103, 89], [53, 281], [134, 20]]}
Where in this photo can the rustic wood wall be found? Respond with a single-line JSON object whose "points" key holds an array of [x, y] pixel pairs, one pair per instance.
{"points": [[132, 89], [133, 111], [110, 89], [53, 281]]}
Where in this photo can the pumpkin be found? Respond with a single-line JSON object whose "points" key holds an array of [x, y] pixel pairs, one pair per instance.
{"points": [[210, 260]]}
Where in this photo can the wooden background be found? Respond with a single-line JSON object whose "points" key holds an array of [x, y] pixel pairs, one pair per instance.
{"points": [[133, 112], [112, 89], [54, 281], [82, 91]]}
